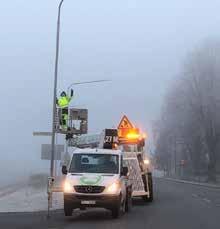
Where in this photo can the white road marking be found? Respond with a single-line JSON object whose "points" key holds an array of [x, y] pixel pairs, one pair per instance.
{"points": [[195, 195], [206, 200]]}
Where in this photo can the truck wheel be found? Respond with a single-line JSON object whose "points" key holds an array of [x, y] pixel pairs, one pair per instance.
{"points": [[118, 210], [150, 185], [128, 205], [68, 210]]}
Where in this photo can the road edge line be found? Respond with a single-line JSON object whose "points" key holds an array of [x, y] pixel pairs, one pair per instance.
{"points": [[192, 183]]}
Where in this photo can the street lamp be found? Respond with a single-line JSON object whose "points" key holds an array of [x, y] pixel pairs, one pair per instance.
{"points": [[86, 82], [55, 91]]}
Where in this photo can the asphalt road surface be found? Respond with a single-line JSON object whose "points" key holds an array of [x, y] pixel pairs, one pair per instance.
{"points": [[176, 206]]}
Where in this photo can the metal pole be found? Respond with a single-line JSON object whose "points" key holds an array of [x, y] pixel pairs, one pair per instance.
{"points": [[55, 92], [54, 110]]}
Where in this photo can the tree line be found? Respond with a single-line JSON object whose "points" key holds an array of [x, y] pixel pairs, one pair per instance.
{"points": [[187, 135]]}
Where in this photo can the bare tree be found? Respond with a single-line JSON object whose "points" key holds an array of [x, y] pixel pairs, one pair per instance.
{"points": [[192, 108], [202, 74]]}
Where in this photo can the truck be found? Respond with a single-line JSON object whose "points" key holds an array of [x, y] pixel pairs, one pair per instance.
{"points": [[108, 174], [131, 142], [97, 178]]}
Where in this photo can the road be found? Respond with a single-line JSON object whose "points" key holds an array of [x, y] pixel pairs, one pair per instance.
{"points": [[176, 206]]}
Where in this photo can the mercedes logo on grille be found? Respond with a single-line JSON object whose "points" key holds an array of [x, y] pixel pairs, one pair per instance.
{"points": [[89, 189]]}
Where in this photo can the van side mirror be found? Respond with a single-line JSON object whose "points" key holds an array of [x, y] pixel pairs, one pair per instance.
{"points": [[124, 171], [64, 170]]}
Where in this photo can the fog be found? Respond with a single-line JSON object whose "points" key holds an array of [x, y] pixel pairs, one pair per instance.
{"points": [[139, 45]]}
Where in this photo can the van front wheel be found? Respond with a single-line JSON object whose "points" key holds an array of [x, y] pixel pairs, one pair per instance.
{"points": [[118, 210], [68, 210]]}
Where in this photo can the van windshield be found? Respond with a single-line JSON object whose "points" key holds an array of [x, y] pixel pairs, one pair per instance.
{"points": [[94, 163]]}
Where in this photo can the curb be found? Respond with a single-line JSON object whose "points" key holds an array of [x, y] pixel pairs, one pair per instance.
{"points": [[32, 213], [193, 183]]}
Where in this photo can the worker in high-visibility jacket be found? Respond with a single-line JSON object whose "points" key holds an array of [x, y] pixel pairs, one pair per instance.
{"points": [[63, 103]]}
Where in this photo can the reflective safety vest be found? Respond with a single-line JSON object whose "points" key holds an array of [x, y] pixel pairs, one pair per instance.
{"points": [[64, 101]]}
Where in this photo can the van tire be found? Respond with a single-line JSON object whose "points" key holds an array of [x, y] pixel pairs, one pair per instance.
{"points": [[118, 210], [150, 184], [68, 210]]}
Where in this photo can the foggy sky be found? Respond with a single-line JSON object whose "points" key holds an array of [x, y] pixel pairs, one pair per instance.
{"points": [[140, 45]]}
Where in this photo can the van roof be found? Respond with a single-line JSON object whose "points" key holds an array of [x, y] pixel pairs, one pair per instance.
{"points": [[98, 151]]}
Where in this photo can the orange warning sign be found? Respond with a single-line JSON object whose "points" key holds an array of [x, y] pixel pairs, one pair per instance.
{"points": [[127, 131], [125, 123]]}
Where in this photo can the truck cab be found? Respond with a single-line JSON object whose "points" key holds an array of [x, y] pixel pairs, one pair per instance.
{"points": [[97, 178]]}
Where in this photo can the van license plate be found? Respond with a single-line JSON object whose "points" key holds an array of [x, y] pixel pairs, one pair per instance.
{"points": [[88, 202]]}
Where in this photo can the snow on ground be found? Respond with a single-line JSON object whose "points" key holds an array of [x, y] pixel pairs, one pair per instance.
{"points": [[28, 199]]}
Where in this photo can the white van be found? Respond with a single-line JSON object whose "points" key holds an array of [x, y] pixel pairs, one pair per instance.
{"points": [[97, 178]]}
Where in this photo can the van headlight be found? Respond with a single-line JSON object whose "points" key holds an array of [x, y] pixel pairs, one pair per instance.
{"points": [[68, 187], [147, 162], [113, 188]]}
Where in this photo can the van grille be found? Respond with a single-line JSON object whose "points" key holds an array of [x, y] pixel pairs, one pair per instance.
{"points": [[89, 189]]}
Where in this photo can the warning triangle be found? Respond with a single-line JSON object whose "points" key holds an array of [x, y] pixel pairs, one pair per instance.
{"points": [[125, 123]]}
